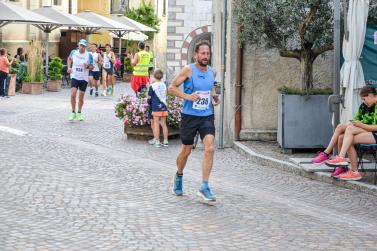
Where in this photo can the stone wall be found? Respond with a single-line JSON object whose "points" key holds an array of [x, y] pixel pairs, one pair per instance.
{"points": [[187, 19]]}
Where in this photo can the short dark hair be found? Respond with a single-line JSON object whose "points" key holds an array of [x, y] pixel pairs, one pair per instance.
{"points": [[95, 44], [2, 51], [147, 46], [141, 45], [19, 50], [201, 43], [158, 74], [108, 45], [366, 90]]}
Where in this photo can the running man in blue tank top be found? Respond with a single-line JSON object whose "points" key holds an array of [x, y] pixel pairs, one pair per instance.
{"points": [[197, 116]]}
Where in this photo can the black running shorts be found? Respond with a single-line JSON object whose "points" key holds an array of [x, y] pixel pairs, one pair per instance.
{"points": [[190, 125], [79, 84]]}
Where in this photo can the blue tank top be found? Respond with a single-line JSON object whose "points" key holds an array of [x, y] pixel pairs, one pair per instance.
{"points": [[201, 83]]}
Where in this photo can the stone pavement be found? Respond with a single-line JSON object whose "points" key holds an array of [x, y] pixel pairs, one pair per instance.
{"points": [[84, 186]]}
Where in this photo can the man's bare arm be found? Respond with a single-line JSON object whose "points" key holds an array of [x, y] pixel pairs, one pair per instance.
{"points": [[69, 64], [177, 81]]}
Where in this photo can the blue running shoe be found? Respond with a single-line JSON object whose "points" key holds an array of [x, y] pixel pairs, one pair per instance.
{"points": [[206, 195], [177, 185]]}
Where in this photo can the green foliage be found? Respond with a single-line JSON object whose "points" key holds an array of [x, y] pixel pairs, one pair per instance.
{"points": [[127, 66], [14, 67], [296, 91], [27, 78], [145, 14], [55, 68]]}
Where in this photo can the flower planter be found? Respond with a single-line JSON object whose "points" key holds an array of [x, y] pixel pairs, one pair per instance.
{"points": [[54, 85], [32, 88], [145, 132], [127, 77], [304, 121], [12, 85]]}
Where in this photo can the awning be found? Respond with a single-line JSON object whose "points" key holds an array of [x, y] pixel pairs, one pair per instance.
{"points": [[12, 13], [128, 21]]}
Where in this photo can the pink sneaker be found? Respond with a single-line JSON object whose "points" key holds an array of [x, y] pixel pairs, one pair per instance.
{"points": [[337, 161], [339, 170], [350, 175], [320, 158]]}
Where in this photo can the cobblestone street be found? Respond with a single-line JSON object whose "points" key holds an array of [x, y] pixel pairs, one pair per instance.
{"points": [[84, 186]]}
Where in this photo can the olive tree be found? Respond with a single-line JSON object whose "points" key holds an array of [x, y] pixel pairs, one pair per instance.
{"points": [[300, 29]]}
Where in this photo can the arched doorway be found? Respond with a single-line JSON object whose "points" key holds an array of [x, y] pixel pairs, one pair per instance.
{"points": [[191, 50]]}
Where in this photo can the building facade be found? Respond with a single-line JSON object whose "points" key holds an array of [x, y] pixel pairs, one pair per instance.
{"points": [[263, 72], [189, 21]]}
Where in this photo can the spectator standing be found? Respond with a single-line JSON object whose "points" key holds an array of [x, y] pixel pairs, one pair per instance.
{"points": [[4, 71]]}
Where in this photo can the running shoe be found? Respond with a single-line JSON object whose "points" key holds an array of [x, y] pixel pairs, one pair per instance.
{"points": [[79, 117], [157, 144], [103, 93], [337, 161], [108, 90], [177, 185], [96, 94], [320, 158], [206, 194], [72, 117], [151, 142], [350, 175], [91, 92], [339, 170], [111, 91], [165, 143]]}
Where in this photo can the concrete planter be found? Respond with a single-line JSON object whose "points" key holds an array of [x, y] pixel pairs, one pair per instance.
{"points": [[32, 88], [304, 121], [12, 85], [127, 77], [145, 132], [54, 85]]}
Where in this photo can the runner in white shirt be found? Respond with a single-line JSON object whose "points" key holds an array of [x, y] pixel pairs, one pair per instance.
{"points": [[95, 73], [79, 63]]}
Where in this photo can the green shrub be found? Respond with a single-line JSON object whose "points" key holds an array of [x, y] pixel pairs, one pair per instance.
{"points": [[55, 68], [14, 67], [128, 67], [27, 78]]}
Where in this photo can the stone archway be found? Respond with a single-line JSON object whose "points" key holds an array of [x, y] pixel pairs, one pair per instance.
{"points": [[202, 33]]}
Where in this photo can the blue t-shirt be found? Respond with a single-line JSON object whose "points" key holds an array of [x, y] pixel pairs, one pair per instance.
{"points": [[202, 84]]}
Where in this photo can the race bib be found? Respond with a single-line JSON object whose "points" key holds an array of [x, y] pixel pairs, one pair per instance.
{"points": [[79, 71], [204, 101], [106, 65]]}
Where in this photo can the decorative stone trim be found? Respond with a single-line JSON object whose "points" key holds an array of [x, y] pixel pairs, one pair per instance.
{"points": [[189, 38]]}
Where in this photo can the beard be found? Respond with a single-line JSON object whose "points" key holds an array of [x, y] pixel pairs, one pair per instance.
{"points": [[203, 63]]}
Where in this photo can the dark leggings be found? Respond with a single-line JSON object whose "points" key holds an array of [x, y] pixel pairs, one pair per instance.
{"points": [[3, 84]]}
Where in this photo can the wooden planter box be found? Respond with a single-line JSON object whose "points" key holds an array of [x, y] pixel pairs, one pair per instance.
{"points": [[12, 85], [54, 85], [32, 88], [145, 132], [127, 77]]}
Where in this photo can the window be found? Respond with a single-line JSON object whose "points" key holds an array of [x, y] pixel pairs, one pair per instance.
{"points": [[57, 2]]}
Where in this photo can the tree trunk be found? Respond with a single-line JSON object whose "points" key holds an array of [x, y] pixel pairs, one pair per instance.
{"points": [[307, 61]]}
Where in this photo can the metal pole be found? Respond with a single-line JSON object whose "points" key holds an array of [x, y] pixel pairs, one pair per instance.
{"points": [[120, 46], [223, 61], [47, 37], [336, 59]]}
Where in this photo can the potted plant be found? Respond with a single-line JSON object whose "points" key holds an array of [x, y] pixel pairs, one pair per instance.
{"points": [[302, 31], [133, 112], [54, 83], [13, 74], [33, 80], [128, 69]]}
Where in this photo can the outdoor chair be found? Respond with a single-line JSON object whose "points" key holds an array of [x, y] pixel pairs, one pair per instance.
{"points": [[363, 149]]}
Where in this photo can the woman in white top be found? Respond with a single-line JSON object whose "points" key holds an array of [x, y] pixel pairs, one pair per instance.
{"points": [[108, 72], [95, 73]]}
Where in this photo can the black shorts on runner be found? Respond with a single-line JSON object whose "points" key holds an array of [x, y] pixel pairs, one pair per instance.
{"points": [[79, 84], [375, 136], [94, 74], [190, 125]]}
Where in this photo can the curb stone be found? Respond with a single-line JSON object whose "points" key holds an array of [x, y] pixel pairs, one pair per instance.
{"points": [[295, 169]]}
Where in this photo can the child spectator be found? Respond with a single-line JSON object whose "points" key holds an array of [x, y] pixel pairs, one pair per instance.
{"points": [[158, 102]]}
